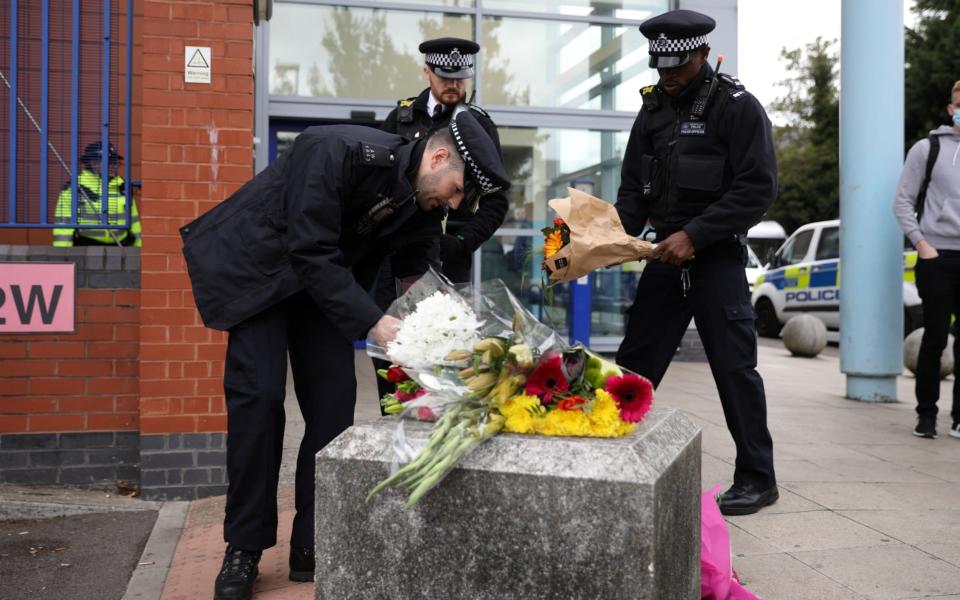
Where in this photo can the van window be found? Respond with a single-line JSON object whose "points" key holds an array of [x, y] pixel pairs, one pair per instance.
{"points": [[795, 250], [829, 246]]}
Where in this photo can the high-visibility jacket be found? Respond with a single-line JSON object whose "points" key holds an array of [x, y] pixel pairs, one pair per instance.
{"points": [[88, 212]]}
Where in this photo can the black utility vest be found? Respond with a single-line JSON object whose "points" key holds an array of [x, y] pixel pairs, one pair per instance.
{"points": [[688, 168]]}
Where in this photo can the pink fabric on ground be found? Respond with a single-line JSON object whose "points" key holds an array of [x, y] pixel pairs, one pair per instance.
{"points": [[717, 580]]}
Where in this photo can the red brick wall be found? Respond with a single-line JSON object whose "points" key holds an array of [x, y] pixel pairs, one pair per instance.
{"points": [[197, 150], [83, 381]]}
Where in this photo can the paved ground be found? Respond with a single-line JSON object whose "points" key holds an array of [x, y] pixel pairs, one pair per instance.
{"points": [[867, 511], [72, 558]]}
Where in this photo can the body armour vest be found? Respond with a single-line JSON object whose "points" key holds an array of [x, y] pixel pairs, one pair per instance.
{"points": [[688, 167]]}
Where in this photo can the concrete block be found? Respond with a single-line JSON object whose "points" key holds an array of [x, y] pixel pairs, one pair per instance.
{"points": [[805, 335], [521, 517], [911, 350]]}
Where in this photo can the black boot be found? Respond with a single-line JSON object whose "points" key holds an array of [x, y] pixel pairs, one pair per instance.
{"points": [[301, 564], [747, 499], [239, 571]]}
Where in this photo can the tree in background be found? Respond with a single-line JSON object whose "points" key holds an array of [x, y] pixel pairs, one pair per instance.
{"points": [[808, 144], [933, 64]]}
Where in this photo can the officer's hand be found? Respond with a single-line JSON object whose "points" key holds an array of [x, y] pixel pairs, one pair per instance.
{"points": [[675, 250], [385, 330], [451, 248], [926, 251]]}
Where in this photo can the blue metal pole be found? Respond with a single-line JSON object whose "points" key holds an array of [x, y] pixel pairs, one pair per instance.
{"points": [[581, 309], [871, 156], [105, 115], [128, 117], [44, 101], [12, 195], [74, 109]]}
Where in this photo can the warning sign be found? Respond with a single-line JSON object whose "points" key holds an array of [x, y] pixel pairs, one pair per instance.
{"points": [[196, 67]]}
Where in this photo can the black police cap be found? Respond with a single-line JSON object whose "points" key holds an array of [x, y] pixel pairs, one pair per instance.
{"points": [[449, 57], [483, 168], [93, 152], [675, 36]]}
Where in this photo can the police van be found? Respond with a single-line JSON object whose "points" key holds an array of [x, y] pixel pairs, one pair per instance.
{"points": [[803, 276]]}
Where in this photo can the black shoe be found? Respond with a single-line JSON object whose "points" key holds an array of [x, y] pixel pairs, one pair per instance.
{"points": [[301, 564], [747, 499], [926, 427], [239, 571]]}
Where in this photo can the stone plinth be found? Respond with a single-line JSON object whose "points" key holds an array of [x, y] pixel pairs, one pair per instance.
{"points": [[911, 352], [522, 517]]}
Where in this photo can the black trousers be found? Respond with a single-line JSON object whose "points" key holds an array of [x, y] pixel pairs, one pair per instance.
{"points": [[938, 281], [719, 302], [254, 382]]}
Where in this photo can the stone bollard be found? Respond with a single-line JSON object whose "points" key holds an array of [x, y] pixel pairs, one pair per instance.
{"points": [[522, 517], [911, 350], [805, 335]]}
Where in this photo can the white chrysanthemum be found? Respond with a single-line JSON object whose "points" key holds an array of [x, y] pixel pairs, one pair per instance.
{"points": [[438, 325]]}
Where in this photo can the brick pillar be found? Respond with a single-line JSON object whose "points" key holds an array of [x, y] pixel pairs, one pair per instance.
{"points": [[197, 150]]}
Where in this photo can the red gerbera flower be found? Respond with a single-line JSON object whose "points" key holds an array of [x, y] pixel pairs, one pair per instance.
{"points": [[547, 379], [633, 394], [558, 222], [571, 403], [396, 375]]}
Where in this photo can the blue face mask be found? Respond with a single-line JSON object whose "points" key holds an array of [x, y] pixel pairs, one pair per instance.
{"points": [[956, 118]]}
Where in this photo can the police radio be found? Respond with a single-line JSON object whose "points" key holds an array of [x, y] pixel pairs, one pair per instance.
{"points": [[707, 88]]}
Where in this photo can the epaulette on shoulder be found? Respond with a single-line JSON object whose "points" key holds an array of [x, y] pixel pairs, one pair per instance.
{"points": [[376, 155], [478, 110], [650, 95], [735, 89]]}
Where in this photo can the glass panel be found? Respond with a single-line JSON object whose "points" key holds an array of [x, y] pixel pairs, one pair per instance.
{"points": [[567, 65], [622, 9], [353, 52], [542, 163], [437, 3]]}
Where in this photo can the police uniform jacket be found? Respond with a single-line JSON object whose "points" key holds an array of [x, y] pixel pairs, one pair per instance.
{"points": [[300, 225], [412, 121], [712, 176]]}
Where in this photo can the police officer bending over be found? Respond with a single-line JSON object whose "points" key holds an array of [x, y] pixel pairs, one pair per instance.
{"points": [[449, 64], [700, 166], [284, 265]]}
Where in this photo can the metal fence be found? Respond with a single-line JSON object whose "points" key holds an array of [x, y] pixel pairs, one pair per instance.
{"points": [[65, 84]]}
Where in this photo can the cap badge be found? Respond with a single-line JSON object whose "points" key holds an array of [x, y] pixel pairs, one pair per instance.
{"points": [[455, 54], [662, 36]]}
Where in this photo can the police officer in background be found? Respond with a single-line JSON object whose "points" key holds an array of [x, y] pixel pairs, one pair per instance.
{"points": [[89, 204], [449, 64], [284, 265], [700, 166]]}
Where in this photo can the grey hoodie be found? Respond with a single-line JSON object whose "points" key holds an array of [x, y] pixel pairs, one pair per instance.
{"points": [[940, 224]]}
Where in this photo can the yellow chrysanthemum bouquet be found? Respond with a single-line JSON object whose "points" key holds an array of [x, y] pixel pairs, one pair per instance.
{"points": [[505, 372]]}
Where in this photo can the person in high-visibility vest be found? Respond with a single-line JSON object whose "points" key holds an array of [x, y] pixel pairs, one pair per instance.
{"points": [[89, 204]]}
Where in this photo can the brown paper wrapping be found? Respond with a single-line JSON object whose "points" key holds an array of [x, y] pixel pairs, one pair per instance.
{"points": [[597, 238]]}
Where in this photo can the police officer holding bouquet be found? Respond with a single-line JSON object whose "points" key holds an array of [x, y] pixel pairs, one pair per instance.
{"points": [[700, 167], [284, 266]]}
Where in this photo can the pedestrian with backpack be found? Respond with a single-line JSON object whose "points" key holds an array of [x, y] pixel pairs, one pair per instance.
{"points": [[927, 206]]}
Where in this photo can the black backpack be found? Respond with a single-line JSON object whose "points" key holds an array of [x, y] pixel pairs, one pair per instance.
{"points": [[931, 158]]}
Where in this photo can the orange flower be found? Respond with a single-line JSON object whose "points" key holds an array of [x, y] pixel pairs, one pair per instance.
{"points": [[552, 244], [571, 403]]}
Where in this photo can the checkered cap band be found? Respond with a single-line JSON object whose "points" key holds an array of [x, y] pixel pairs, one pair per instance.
{"points": [[483, 181], [452, 59], [662, 45]]}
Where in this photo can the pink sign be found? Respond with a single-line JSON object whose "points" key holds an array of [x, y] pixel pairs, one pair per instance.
{"points": [[37, 297]]}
